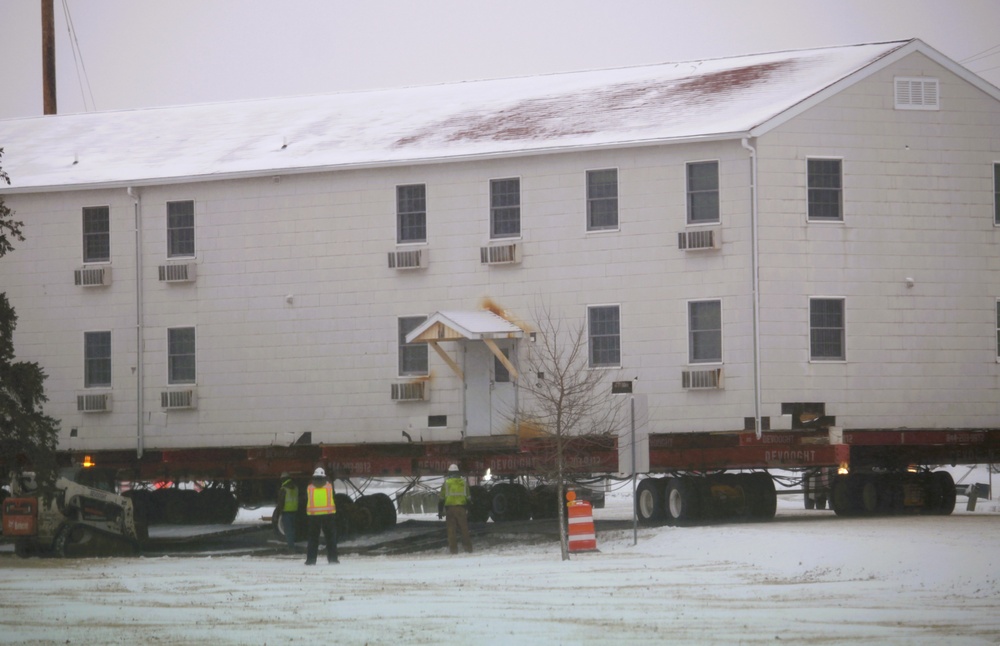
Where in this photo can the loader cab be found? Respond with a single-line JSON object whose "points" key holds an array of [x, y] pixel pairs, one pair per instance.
{"points": [[93, 477]]}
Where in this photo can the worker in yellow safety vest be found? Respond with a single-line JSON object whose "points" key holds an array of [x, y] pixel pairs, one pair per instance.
{"points": [[287, 508], [321, 511], [455, 499]]}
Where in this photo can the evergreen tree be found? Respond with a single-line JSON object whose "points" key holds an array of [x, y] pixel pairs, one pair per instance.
{"points": [[28, 437]]}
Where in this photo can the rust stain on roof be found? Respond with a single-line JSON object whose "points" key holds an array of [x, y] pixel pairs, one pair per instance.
{"points": [[562, 115]]}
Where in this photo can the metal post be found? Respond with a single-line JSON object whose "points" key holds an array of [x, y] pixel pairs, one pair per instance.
{"points": [[635, 516]]}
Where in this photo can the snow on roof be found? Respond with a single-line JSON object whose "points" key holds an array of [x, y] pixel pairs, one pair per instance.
{"points": [[474, 325], [718, 98]]}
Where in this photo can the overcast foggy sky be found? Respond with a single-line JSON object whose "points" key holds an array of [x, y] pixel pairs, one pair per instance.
{"points": [[149, 53]]}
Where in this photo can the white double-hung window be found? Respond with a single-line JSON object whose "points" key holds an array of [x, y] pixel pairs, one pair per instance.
{"points": [[827, 331], [705, 331], [604, 335]]}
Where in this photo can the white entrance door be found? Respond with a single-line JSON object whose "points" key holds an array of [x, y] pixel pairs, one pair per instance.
{"points": [[490, 392]]}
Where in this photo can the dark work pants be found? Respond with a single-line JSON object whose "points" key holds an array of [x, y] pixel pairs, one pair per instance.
{"points": [[456, 518], [328, 524]]}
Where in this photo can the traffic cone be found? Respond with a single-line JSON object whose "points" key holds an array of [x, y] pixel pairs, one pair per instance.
{"points": [[582, 537]]}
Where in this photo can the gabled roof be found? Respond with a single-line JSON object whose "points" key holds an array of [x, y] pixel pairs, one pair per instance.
{"points": [[672, 102], [472, 325]]}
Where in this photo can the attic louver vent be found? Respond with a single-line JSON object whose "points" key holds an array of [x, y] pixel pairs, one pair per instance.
{"points": [[702, 379], [178, 399], [177, 273], [505, 254], [412, 259], [917, 94], [409, 392], [92, 276], [699, 239], [93, 403]]}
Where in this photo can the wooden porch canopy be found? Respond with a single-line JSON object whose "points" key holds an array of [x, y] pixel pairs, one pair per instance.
{"points": [[481, 325]]}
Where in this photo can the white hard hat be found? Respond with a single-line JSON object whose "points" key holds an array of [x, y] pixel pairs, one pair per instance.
{"points": [[319, 473], [453, 467]]}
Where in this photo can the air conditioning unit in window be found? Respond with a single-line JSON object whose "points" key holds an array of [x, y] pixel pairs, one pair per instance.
{"points": [[178, 399], [178, 273], [414, 391], [504, 254], [699, 239], [92, 276], [702, 379], [410, 259], [93, 402]]}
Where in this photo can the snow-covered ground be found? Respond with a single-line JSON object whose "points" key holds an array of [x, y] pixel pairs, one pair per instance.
{"points": [[807, 577]]}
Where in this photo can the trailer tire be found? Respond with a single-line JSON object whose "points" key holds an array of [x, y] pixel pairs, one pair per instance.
{"points": [[544, 502], [763, 499], [509, 502], [650, 506], [345, 510], [218, 505], [479, 505], [840, 496], [383, 512], [871, 495], [945, 487], [683, 501]]}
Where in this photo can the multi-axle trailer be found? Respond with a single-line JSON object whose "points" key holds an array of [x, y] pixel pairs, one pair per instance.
{"points": [[692, 477]]}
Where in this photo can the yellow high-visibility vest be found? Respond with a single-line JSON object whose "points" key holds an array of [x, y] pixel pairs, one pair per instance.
{"points": [[319, 500], [291, 496], [455, 491]]}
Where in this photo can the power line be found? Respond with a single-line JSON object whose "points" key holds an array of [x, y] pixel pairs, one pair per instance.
{"points": [[986, 53], [81, 69]]}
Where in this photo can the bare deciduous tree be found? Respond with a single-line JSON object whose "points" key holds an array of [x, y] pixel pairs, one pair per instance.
{"points": [[566, 400]]}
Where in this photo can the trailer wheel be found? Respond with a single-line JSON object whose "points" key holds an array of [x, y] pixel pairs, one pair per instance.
{"points": [[479, 506], [345, 511], [945, 485], [649, 501], [683, 501], [509, 502], [763, 502], [383, 512], [544, 502], [840, 496], [872, 493], [218, 505]]}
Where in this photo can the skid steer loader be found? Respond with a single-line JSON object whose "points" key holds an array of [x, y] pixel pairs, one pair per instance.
{"points": [[73, 520]]}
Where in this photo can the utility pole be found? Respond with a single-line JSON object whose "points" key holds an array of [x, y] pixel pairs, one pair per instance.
{"points": [[48, 59]]}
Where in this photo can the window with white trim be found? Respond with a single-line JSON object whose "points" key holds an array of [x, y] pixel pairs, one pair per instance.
{"points": [[602, 199], [703, 192], [604, 334], [826, 329], [705, 331], [505, 208], [180, 229], [96, 234], [96, 359], [825, 180], [411, 213], [180, 355], [917, 93], [412, 356]]}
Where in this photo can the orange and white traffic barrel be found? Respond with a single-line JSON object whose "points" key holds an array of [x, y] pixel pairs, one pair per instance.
{"points": [[580, 513]]}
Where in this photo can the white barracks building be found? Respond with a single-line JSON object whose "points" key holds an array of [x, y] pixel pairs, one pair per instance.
{"points": [[783, 237]]}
